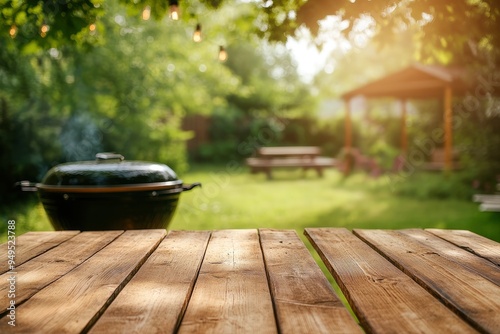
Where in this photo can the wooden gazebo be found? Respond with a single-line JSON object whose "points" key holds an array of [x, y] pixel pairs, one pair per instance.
{"points": [[414, 82]]}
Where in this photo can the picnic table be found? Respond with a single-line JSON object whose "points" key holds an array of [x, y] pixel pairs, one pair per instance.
{"points": [[251, 281], [305, 157]]}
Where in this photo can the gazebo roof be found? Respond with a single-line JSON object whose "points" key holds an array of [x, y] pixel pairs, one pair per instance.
{"points": [[416, 81]]}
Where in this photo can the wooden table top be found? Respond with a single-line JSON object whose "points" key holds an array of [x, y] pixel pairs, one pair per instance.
{"points": [[251, 281]]}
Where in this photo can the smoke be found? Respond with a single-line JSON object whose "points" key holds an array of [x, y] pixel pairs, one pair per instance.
{"points": [[80, 138]]}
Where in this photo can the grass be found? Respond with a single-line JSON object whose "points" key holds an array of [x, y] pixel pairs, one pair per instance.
{"points": [[29, 216], [233, 198]]}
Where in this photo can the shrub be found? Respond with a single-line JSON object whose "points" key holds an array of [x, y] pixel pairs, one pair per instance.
{"points": [[424, 185]]}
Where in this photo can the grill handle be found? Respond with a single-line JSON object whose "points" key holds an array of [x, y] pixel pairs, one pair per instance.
{"points": [[187, 187], [26, 186], [103, 156]]}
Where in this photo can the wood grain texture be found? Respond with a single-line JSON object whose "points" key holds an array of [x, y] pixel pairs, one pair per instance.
{"points": [[32, 244], [155, 299], [34, 275], [262, 281], [462, 289], [474, 243], [384, 298], [466, 259], [231, 294], [303, 298], [75, 301]]}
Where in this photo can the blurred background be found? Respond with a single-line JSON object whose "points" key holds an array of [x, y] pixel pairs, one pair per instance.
{"points": [[202, 92]]}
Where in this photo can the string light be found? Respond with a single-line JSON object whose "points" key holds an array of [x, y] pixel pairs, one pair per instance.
{"points": [[44, 30], [197, 33], [92, 28], [174, 9], [13, 31], [222, 53], [146, 13]]}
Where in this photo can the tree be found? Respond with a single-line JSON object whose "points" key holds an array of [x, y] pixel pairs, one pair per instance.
{"points": [[127, 93], [452, 31], [126, 86]]}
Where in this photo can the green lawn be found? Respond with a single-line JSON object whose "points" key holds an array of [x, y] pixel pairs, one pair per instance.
{"points": [[236, 199], [233, 198]]}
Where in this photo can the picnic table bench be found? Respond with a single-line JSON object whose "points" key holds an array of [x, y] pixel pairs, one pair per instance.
{"points": [[250, 281], [488, 202], [305, 157]]}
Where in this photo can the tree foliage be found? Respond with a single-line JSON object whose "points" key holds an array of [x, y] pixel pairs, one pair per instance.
{"points": [[127, 85], [451, 30], [462, 30]]}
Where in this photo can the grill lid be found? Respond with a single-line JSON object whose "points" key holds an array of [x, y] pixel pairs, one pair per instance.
{"points": [[110, 171]]}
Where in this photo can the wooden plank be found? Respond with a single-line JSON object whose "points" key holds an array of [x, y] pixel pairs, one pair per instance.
{"points": [[156, 297], [473, 297], [289, 151], [34, 275], [384, 298], [291, 162], [303, 298], [489, 207], [73, 303], [472, 242], [486, 198], [32, 244], [450, 251], [231, 294]]}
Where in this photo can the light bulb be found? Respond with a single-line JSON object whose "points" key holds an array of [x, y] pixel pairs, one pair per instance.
{"points": [[173, 6], [222, 53], [13, 31], [146, 13], [174, 12], [197, 34], [44, 29]]}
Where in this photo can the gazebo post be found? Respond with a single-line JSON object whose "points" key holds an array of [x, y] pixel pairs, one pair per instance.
{"points": [[448, 135], [348, 127], [348, 136], [404, 134]]}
